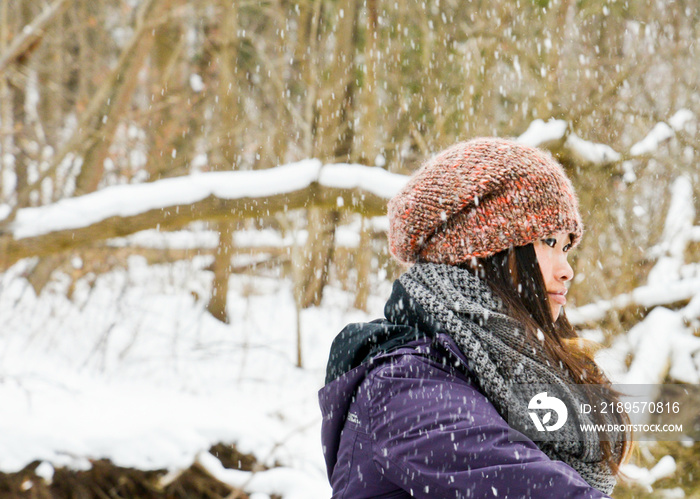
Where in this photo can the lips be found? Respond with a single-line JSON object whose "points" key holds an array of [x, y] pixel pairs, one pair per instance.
{"points": [[558, 297]]}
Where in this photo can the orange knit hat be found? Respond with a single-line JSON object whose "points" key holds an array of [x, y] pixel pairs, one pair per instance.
{"points": [[480, 197]]}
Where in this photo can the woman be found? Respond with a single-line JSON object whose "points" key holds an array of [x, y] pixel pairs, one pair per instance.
{"points": [[436, 400]]}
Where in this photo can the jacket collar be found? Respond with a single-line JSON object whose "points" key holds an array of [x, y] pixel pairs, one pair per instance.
{"points": [[401, 308]]}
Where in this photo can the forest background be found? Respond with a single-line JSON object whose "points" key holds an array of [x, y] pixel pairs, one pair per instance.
{"points": [[102, 93]]}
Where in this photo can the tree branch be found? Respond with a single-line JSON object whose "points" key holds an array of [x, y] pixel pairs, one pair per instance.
{"points": [[32, 34]]}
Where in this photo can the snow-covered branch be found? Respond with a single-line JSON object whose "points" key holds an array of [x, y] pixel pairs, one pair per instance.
{"points": [[172, 203], [557, 135]]}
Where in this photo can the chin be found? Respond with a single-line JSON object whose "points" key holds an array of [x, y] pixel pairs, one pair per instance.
{"points": [[556, 313]]}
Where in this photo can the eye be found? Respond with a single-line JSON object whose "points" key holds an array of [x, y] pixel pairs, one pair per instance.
{"points": [[550, 241], [566, 248]]}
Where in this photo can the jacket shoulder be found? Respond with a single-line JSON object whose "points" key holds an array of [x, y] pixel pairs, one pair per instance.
{"points": [[360, 342]]}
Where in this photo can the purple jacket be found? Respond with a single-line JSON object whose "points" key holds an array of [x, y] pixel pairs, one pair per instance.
{"points": [[402, 418]]}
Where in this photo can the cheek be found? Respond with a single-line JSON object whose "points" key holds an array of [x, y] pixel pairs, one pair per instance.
{"points": [[544, 259]]}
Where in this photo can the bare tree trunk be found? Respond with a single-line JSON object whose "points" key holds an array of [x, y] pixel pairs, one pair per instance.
{"points": [[363, 262], [300, 357], [84, 61], [5, 101], [225, 152], [367, 146], [333, 140], [117, 104], [18, 140], [171, 147], [14, 122], [52, 67], [368, 129], [227, 148], [307, 55], [337, 98], [222, 270], [19, 124], [317, 255]]}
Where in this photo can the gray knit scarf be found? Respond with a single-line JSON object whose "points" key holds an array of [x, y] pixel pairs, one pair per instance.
{"points": [[465, 307]]}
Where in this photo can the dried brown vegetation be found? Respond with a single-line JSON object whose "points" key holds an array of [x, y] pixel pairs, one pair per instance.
{"points": [[105, 479]]}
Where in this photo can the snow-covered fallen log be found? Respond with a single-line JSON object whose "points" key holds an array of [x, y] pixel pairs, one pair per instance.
{"points": [[172, 203]]}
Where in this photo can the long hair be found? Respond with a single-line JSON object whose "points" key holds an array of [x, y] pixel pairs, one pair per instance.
{"points": [[514, 276]]}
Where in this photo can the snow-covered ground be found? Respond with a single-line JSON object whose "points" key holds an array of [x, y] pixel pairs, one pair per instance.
{"points": [[128, 366], [134, 370]]}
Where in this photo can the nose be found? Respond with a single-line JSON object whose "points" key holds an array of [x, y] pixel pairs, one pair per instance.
{"points": [[563, 271]]}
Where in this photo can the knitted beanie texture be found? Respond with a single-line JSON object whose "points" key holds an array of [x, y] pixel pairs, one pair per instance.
{"points": [[480, 197]]}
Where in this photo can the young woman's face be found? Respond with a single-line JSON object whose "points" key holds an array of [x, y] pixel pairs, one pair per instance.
{"points": [[552, 255]]}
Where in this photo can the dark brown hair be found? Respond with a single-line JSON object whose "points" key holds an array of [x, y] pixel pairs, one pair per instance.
{"points": [[514, 276]]}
